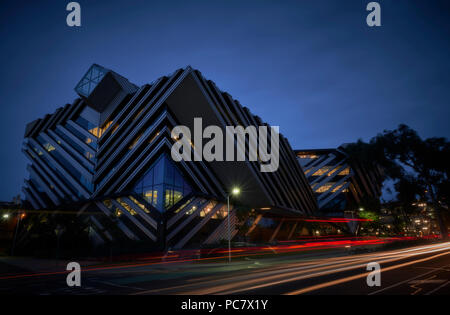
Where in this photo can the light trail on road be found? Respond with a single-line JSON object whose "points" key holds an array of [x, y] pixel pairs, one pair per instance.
{"points": [[363, 275], [183, 256], [259, 279]]}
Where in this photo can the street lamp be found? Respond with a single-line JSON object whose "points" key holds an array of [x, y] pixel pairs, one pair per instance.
{"points": [[235, 191]]}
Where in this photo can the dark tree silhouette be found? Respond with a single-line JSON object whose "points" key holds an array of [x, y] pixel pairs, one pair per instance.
{"points": [[420, 168]]}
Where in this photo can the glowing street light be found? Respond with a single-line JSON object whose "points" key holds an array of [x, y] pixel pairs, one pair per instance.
{"points": [[235, 191], [5, 216]]}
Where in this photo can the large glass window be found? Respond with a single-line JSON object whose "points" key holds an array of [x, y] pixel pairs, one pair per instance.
{"points": [[163, 185]]}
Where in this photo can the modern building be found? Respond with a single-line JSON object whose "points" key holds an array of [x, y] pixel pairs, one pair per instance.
{"points": [[338, 183], [108, 152]]}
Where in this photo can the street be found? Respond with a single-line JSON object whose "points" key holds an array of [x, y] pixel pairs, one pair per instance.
{"points": [[418, 270]]}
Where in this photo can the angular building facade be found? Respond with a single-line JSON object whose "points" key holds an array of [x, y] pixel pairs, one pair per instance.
{"points": [[338, 183], [108, 153]]}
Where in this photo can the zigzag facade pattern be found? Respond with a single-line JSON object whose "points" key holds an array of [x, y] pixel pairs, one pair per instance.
{"points": [[338, 183], [105, 154]]}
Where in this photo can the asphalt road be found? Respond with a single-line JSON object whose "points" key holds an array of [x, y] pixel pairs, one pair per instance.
{"points": [[419, 270]]}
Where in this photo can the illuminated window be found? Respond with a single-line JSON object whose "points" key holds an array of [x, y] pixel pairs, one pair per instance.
{"points": [[324, 187], [183, 205], [39, 152], [49, 147], [135, 141], [207, 209], [151, 196], [331, 170], [177, 196], [138, 113], [105, 127], [163, 185], [190, 211], [221, 213], [345, 171], [139, 204], [114, 129], [126, 206], [89, 126], [107, 203], [88, 155], [338, 187], [154, 137], [95, 131], [307, 156], [321, 171]]}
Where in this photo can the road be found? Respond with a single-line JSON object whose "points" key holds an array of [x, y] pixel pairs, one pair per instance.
{"points": [[418, 270]]}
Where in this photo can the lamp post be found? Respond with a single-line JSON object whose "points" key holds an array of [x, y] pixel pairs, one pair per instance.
{"points": [[234, 191]]}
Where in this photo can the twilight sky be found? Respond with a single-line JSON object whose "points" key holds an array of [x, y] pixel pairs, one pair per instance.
{"points": [[313, 67]]}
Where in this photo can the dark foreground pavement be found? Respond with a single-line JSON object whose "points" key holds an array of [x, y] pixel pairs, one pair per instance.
{"points": [[415, 270]]}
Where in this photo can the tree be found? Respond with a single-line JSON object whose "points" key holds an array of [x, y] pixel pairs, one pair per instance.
{"points": [[44, 233], [422, 165], [420, 168]]}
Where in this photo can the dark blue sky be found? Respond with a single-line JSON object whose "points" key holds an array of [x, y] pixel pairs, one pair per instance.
{"points": [[312, 67]]}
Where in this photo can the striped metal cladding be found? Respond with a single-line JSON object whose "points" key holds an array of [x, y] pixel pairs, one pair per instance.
{"points": [[98, 166], [323, 169]]}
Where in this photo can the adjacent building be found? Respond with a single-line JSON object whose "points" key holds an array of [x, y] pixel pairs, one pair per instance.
{"points": [[339, 184], [108, 152]]}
